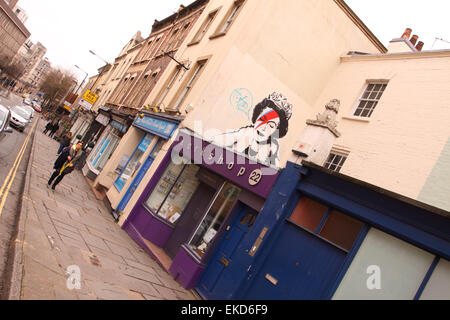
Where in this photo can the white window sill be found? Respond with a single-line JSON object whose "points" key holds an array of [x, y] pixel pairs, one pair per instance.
{"points": [[354, 118]]}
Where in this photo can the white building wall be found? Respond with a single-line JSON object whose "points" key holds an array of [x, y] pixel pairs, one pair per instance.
{"points": [[402, 269], [438, 287]]}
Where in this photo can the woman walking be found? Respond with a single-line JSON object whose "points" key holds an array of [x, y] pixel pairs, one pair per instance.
{"points": [[65, 163]]}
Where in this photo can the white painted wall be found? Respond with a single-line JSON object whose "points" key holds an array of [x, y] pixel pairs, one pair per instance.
{"points": [[438, 287]]}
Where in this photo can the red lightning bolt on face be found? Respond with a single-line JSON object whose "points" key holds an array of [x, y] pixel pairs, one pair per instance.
{"points": [[265, 118]]}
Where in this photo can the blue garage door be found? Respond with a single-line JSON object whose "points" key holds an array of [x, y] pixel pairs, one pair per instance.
{"points": [[308, 255]]}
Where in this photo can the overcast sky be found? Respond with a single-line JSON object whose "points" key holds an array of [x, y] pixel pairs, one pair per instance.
{"points": [[69, 29]]}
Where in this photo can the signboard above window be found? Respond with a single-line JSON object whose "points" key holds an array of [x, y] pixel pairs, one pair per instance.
{"points": [[163, 128], [119, 126]]}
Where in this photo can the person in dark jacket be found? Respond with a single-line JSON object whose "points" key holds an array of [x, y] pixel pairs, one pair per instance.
{"points": [[48, 127], [55, 128], [65, 142], [65, 163]]}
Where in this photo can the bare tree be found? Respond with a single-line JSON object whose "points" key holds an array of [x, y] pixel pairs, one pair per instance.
{"points": [[56, 85], [12, 70]]}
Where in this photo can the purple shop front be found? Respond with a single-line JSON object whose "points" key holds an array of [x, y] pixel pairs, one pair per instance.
{"points": [[191, 199]]}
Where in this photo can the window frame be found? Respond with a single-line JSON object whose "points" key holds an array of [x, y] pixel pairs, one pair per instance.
{"points": [[329, 211], [343, 154], [184, 31], [156, 213], [147, 49], [129, 160], [361, 98], [188, 84], [167, 86], [204, 27], [151, 80], [206, 214], [220, 31]]}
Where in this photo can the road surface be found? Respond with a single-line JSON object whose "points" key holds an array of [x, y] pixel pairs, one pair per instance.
{"points": [[14, 154]]}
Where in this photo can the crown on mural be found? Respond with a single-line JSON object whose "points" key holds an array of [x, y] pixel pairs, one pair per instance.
{"points": [[281, 101]]}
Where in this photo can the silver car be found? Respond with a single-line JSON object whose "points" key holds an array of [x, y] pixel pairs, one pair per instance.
{"points": [[29, 109], [19, 118], [4, 122]]}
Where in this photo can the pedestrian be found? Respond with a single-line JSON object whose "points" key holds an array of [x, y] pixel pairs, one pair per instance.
{"points": [[65, 142], [48, 127], [65, 163], [54, 129]]}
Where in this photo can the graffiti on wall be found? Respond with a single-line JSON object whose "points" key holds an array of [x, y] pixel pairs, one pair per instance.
{"points": [[260, 139], [242, 100]]}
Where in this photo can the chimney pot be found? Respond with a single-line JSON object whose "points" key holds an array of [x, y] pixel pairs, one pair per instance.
{"points": [[419, 46], [407, 33], [414, 39]]}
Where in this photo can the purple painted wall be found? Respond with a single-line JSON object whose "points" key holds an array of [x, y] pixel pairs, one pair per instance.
{"points": [[243, 172], [186, 270], [252, 176]]}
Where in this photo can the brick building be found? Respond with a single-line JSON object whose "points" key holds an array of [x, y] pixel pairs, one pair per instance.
{"points": [[13, 33], [154, 57]]}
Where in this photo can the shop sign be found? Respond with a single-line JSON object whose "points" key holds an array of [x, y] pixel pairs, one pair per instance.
{"points": [[102, 119], [159, 127], [90, 97], [119, 126], [85, 104], [240, 170], [145, 143]]}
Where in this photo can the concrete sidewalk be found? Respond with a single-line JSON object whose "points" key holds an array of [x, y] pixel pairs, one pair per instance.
{"points": [[69, 227]]}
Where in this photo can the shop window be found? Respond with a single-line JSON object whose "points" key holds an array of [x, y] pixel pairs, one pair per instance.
{"points": [[134, 163], [107, 145], [214, 219], [333, 226], [173, 191], [308, 214]]}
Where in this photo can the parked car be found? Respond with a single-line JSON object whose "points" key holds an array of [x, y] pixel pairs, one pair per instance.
{"points": [[37, 106], [19, 118], [27, 101], [5, 115], [29, 110]]}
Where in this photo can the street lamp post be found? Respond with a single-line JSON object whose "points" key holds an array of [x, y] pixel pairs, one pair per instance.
{"points": [[95, 126], [83, 79], [103, 69]]}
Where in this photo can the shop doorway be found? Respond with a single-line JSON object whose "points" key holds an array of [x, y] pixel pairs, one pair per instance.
{"points": [[308, 255], [191, 216], [224, 273]]}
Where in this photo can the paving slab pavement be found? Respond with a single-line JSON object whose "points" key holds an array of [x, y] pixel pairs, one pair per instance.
{"points": [[69, 227]]}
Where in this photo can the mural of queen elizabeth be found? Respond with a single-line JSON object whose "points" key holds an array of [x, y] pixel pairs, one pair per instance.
{"points": [[260, 140]]}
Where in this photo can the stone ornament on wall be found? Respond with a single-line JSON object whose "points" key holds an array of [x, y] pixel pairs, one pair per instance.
{"points": [[328, 118]]}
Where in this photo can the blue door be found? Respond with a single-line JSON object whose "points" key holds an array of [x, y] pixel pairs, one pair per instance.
{"points": [[300, 266], [137, 180], [224, 272]]}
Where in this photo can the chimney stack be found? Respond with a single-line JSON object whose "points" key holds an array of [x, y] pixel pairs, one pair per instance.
{"points": [[407, 33], [419, 46], [414, 39], [406, 43]]}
